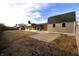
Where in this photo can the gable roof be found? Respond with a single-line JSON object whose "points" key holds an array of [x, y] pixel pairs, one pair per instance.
{"points": [[20, 25], [67, 17]]}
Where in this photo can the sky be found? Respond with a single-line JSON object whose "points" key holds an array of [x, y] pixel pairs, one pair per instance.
{"points": [[18, 11]]}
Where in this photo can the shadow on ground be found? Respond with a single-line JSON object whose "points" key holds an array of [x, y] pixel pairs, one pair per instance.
{"points": [[3, 42]]}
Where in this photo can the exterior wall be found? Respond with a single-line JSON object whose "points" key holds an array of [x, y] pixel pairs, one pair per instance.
{"points": [[30, 28], [69, 28]]}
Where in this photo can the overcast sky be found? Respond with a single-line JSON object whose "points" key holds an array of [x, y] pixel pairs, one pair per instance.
{"points": [[18, 11]]}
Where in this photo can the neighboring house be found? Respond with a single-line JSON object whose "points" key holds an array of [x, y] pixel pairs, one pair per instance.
{"points": [[33, 26], [20, 26], [30, 26], [41, 27], [64, 23]]}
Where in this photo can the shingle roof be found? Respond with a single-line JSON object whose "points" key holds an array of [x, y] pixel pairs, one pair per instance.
{"points": [[20, 25], [67, 17]]}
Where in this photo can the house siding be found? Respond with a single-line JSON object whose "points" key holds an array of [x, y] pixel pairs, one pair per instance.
{"points": [[45, 27], [69, 27]]}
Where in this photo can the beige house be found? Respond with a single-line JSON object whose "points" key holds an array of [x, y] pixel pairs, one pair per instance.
{"points": [[64, 23], [33, 26]]}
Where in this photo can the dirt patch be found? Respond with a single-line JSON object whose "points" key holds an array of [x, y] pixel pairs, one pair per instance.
{"points": [[67, 44], [20, 44]]}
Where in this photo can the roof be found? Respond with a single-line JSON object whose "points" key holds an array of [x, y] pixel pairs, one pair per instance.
{"points": [[20, 25], [67, 17]]}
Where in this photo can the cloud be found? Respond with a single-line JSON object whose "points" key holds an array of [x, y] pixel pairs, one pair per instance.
{"points": [[19, 11], [12, 12]]}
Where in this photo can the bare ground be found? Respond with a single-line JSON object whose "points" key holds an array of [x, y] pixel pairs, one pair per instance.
{"points": [[18, 43]]}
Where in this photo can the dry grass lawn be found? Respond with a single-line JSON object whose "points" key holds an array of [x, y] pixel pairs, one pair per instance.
{"points": [[15, 35], [18, 43]]}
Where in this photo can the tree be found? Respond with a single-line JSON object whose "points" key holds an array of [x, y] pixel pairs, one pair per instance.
{"points": [[2, 27]]}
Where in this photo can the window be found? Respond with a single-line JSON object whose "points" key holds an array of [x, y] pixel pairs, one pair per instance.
{"points": [[63, 25], [54, 25]]}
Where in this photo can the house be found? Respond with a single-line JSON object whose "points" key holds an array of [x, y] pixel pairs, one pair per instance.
{"points": [[20, 26], [41, 27], [64, 23], [33, 26]]}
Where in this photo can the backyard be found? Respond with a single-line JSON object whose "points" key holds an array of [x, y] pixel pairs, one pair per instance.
{"points": [[20, 43]]}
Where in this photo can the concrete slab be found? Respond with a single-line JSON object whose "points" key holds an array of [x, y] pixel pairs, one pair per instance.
{"points": [[47, 37]]}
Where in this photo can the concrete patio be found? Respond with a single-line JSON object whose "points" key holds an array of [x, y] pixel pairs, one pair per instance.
{"points": [[47, 37]]}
